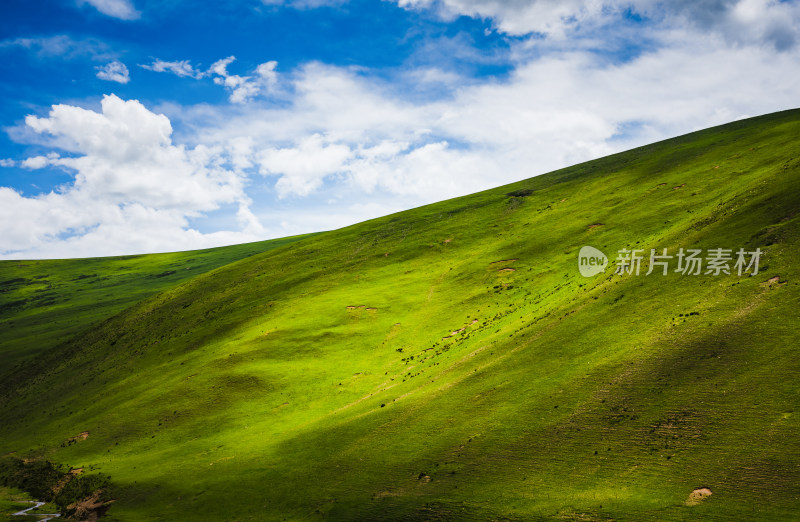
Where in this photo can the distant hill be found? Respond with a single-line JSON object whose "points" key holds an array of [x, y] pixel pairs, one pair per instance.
{"points": [[44, 302], [449, 362]]}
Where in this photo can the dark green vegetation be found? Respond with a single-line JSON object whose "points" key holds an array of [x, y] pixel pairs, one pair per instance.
{"points": [[450, 362], [57, 484]]}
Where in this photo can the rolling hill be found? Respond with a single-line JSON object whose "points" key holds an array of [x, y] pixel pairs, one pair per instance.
{"points": [[44, 302], [449, 362]]}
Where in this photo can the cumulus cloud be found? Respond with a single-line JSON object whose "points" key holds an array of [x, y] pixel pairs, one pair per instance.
{"points": [[125, 154], [340, 133], [345, 129], [115, 71], [133, 190], [122, 9], [39, 162]]}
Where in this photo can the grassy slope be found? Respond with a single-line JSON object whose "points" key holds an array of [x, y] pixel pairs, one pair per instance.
{"points": [[322, 379], [44, 303]]}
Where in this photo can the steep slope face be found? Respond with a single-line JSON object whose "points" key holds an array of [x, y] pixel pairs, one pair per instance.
{"points": [[451, 361]]}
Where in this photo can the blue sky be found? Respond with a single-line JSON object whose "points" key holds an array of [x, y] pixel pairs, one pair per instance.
{"points": [[155, 125]]}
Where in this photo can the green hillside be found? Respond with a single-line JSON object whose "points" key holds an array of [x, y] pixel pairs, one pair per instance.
{"points": [[45, 302], [450, 362]]}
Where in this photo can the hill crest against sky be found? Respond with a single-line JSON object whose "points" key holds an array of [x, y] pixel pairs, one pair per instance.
{"points": [[450, 361], [133, 126]]}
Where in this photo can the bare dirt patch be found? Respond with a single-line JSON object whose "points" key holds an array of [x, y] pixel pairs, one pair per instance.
{"points": [[697, 496], [503, 261], [77, 438], [90, 508], [596, 225], [774, 281]]}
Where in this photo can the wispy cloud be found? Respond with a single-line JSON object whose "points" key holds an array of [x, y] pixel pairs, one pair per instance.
{"points": [[122, 9], [263, 80], [303, 4], [244, 88], [181, 68], [62, 46]]}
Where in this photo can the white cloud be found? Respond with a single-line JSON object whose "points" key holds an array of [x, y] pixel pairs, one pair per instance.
{"points": [[519, 17], [115, 71], [740, 21], [429, 172], [341, 136], [267, 74], [39, 162], [303, 168], [134, 190], [7, 162], [345, 129], [181, 68], [122, 9], [242, 88]]}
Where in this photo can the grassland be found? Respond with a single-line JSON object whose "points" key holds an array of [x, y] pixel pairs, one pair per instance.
{"points": [[45, 302], [450, 362]]}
